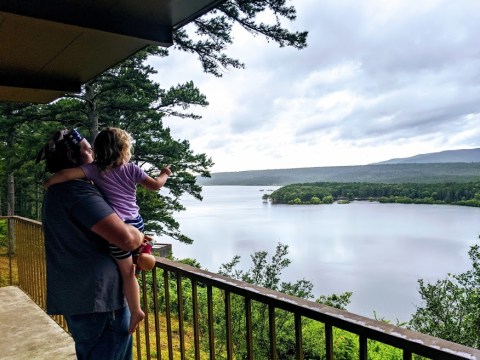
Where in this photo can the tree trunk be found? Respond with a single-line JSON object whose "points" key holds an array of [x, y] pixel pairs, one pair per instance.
{"points": [[38, 201], [10, 195], [91, 111], [11, 212]]}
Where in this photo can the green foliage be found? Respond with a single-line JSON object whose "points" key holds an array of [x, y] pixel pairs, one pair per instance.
{"points": [[422, 193], [212, 33], [450, 308], [265, 271], [337, 301], [315, 200], [3, 233], [328, 199], [379, 351], [19, 137]]}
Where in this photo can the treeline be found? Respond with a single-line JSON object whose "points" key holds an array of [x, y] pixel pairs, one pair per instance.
{"points": [[387, 174], [466, 194]]}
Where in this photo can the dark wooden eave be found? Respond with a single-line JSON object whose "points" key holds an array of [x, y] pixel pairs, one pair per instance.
{"points": [[49, 48]]}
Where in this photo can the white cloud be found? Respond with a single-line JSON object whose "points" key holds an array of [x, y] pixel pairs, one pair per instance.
{"points": [[379, 80]]}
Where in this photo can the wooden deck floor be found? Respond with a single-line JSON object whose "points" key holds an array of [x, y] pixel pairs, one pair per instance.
{"points": [[27, 332]]}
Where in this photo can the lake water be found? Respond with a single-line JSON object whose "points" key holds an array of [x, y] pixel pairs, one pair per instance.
{"points": [[377, 251]]}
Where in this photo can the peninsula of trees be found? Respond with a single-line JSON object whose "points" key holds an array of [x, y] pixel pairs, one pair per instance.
{"points": [[467, 194]]}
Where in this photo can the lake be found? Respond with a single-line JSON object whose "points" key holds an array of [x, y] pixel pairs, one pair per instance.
{"points": [[377, 251]]}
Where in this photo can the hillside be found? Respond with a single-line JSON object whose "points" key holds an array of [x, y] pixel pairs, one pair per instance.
{"points": [[383, 173], [449, 156], [445, 166]]}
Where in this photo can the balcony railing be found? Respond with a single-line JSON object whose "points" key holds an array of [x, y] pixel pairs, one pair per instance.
{"points": [[195, 314]]}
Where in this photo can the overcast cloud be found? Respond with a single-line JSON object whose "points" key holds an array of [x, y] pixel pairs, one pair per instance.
{"points": [[378, 80]]}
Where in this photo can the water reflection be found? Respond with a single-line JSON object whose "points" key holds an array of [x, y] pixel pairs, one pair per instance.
{"points": [[377, 251]]}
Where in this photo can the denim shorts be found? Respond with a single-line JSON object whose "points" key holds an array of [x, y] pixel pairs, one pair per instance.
{"points": [[101, 336]]}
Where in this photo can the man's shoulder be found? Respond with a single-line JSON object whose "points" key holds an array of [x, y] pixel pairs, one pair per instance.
{"points": [[73, 185], [80, 199], [74, 190]]}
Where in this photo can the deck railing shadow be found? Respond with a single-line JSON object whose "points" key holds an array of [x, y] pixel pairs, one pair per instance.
{"points": [[196, 314]]}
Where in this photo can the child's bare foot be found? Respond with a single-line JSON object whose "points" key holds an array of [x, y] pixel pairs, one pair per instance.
{"points": [[135, 318]]}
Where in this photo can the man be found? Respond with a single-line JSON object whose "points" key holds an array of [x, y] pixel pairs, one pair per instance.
{"points": [[83, 282]]}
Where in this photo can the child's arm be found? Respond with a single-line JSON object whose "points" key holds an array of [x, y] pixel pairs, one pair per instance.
{"points": [[155, 184], [64, 175]]}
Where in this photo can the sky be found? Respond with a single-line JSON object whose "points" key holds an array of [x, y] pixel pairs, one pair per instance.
{"points": [[378, 80]]}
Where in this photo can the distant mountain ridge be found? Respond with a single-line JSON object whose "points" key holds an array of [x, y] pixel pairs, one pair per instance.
{"points": [[444, 166], [448, 156]]}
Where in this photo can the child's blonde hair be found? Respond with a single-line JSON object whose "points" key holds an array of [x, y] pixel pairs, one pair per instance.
{"points": [[112, 147]]}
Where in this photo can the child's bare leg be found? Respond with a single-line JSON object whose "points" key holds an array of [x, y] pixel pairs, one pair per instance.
{"points": [[131, 291]]}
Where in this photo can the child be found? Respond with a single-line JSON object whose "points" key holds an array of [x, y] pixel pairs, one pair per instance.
{"points": [[117, 178]]}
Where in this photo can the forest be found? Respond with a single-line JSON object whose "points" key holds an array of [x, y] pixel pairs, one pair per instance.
{"points": [[466, 194]]}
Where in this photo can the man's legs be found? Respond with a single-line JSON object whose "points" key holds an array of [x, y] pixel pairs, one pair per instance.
{"points": [[101, 335]]}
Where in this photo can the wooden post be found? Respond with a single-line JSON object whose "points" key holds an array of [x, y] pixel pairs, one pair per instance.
{"points": [[10, 212], [10, 195], [10, 247]]}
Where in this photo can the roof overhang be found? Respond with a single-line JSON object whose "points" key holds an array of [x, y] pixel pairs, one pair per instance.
{"points": [[50, 48]]}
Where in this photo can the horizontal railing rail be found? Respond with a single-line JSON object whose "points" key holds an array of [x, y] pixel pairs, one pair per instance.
{"points": [[195, 314]]}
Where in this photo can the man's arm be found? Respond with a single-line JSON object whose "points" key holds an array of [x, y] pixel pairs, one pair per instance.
{"points": [[116, 232], [65, 175]]}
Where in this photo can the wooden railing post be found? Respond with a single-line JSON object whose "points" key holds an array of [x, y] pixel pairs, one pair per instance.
{"points": [[11, 245]]}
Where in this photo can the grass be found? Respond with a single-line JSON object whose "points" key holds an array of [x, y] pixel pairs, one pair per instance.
{"points": [[5, 268], [188, 338]]}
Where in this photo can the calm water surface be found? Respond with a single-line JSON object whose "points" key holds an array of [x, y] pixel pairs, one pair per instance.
{"points": [[377, 251]]}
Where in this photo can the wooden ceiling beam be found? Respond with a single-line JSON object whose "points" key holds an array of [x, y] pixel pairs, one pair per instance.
{"points": [[38, 81], [109, 19]]}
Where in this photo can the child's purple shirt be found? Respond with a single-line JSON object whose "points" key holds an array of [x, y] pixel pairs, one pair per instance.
{"points": [[118, 186]]}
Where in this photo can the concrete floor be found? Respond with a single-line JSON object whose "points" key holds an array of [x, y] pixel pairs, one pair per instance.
{"points": [[27, 332]]}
